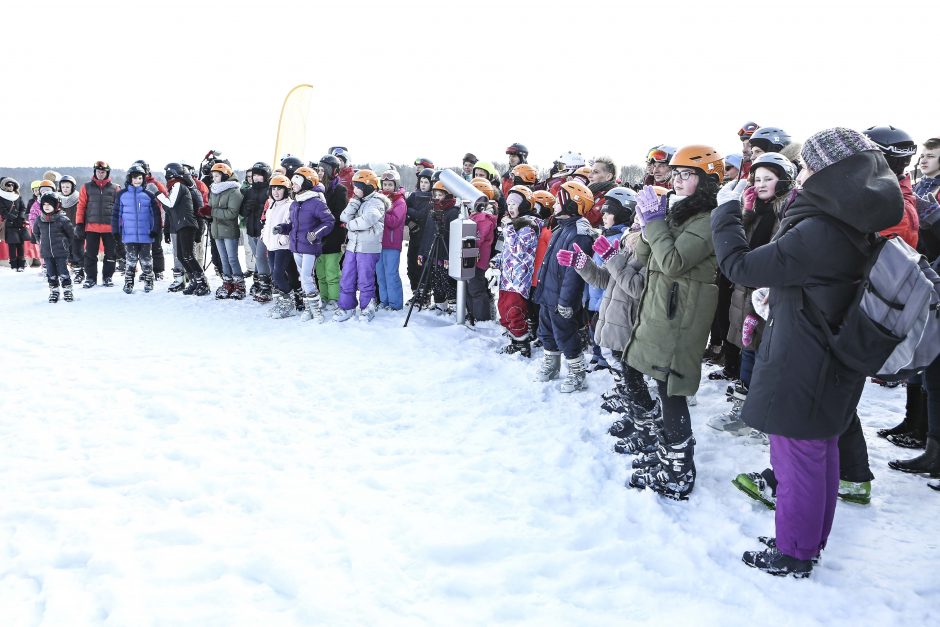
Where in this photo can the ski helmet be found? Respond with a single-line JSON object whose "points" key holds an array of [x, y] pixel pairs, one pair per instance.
{"points": [[487, 167], [575, 197], [770, 139], [290, 164], [49, 199], [175, 171], [570, 161], [783, 167], [262, 168], [279, 180], [330, 165], [341, 153], [518, 149], [48, 184], [144, 165], [705, 158], [224, 168], [543, 202], [660, 154], [310, 176], [392, 175], [68, 179], [427, 173], [583, 173], [484, 186], [747, 129], [135, 170], [897, 146], [102, 165], [366, 181], [623, 196], [421, 162], [524, 174], [526, 205]]}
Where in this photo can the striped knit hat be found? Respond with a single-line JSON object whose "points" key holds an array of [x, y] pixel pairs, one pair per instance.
{"points": [[833, 145]]}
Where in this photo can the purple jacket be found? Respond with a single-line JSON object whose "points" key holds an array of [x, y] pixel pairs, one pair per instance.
{"points": [[395, 221], [308, 214]]}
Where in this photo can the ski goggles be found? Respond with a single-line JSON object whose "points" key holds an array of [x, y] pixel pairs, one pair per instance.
{"points": [[339, 150], [658, 155], [424, 163], [747, 130], [102, 165]]}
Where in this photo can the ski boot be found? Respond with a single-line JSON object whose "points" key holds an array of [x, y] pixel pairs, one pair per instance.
{"points": [[550, 367], [157, 276], [263, 294], [312, 308], [67, 294], [129, 283], [773, 562], [342, 315], [189, 286], [858, 492], [238, 293], [760, 486], [283, 305], [675, 473], [645, 435], [225, 290], [179, 282], [202, 286], [908, 440], [78, 275], [626, 424], [298, 300], [576, 374], [927, 463], [89, 283], [148, 282], [54, 293], [730, 421], [369, 312], [120, 266], [520, 346], [107, 282], [255, 285]]}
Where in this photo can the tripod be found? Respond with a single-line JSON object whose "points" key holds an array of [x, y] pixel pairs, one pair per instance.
{"points": [[431, 259]]}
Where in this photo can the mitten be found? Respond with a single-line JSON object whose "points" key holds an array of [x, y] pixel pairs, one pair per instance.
{"points": [[747, 331], [649, 206], [750, 197], [604, 248], [564, 257]]}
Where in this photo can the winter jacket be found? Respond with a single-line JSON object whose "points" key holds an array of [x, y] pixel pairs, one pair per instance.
{"points": [[907, 228], [308, 214], [364, 220], [13, 213], [136, 214], [438, 220], [55, 235], [225, 200], [95, 205], [35, 210], [678, 303], [596, 292], [70, 205], [798, 389], [394, 232], [928, 214], [545, 236], [486, 231], [178, 205], [253, 200], [760, 224], [419, 203], [558, 284], [277, 213], [517, 261], [336, 200], [345, 179], [622, 279]]}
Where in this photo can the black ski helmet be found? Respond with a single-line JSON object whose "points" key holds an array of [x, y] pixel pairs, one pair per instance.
{"points": [[144, 165], [174, 170], [897, 146], [290, 164], [262, 168], [331, 166], [518, 149], [134, 170]]}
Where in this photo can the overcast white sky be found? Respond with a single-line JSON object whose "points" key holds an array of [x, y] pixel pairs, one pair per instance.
{"points": [[400, 79]]}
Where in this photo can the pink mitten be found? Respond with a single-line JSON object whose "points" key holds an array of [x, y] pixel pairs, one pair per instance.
{"points": [[750, 195], [604, 248], [564, 257]]}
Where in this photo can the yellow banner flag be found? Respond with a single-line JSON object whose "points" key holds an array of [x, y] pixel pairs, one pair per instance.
{"points": [[292, 126]]}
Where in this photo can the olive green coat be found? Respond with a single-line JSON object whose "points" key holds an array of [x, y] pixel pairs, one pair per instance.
{"points": [[678, 304], [225, 205]]}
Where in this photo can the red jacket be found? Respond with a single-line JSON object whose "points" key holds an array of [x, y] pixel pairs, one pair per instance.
{"points": [[83, 203], [545, 236], [908, 227], [205, 210], [345, 177]]}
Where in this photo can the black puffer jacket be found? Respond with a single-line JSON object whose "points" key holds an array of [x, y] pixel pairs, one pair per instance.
{"points": [[336, 202], [252, 207], [798, 389], [55, 234], [14, 214], [179, 214]]}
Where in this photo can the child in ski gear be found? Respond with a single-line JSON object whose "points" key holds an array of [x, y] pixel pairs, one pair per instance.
{"points": [[676, 311], [93, 224], [328, 270], [68, 192], [252, 209], [14, 214], [54, 233], [135, 219], [479, 300], [225, 198], [848, 192], [364, 218], [516, 263], [181, 226], [443, 211], [391, 295], [419, 203], [310, 220], [280, 257], [560, 288]]}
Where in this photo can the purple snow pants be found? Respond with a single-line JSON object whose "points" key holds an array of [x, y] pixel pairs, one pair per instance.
{"points": [[808, 485], [358, 273]]}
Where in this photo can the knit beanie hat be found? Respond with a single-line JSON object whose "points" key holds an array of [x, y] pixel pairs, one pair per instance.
{"points": [[832, 146], [49, 199]]}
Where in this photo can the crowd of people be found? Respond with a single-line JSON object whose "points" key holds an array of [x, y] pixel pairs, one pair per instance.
{"points": [[707, 263]]}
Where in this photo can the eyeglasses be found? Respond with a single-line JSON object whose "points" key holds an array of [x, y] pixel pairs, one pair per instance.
{"points": [[657, 155], [683, 175]]}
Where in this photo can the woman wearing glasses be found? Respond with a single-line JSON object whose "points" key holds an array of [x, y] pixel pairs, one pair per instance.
{"points": [[674, 316]]}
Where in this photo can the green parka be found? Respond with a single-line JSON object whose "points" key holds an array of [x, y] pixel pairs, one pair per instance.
{"points": [[225, 199], [678, 304]]}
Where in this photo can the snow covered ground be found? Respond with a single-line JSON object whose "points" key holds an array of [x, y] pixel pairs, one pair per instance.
{"points": [[168, 460]]}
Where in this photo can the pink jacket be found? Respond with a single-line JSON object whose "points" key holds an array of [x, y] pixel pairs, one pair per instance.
{"points": [[486, 230], [395, 221]]}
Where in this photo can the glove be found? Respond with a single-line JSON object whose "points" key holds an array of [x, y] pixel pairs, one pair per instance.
{"points": [[166, 238], [750, 197], [747, 331], [604, 248], [312, 238], [276, 229], [80, 230], [577, 258], [565, 312], [565, 257], [731, 191], [649, 206], [154, 235]]}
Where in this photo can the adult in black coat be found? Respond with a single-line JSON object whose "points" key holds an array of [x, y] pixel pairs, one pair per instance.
{"points": [[799, 393], [14, 214]]}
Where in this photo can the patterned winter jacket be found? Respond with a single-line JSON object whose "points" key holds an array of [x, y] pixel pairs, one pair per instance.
{"points": [[517, 261]]}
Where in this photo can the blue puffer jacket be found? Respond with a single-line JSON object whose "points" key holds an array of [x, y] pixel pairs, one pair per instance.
{"points": [[559, 284], [596, 294], [308, 214], [136, 214]]}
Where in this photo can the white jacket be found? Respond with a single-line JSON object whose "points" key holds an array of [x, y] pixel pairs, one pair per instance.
{"points": [[278, 213], [365, 222]]}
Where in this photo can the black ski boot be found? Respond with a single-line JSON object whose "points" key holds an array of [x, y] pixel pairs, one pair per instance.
{"points": [[264, 294], [643, 438], [128, 282], [54, 293], [915, 412], [67, 293], [201, 286], [148, 282], [521, 346], [625, 425], [298, 299], [675, 473], [773, 562], [78, 275], [255, 285], [928, 463]]}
